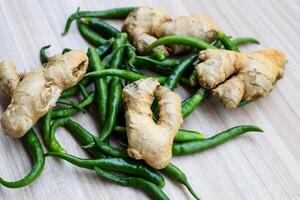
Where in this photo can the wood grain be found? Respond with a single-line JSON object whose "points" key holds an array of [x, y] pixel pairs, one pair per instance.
{"points": [[254, 166]]}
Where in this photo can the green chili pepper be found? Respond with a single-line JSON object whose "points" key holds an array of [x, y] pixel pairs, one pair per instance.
{"points": [[122, 165], [244, 102], [175, 173], [84, 91], [184, 40], [89, 34], [244, 40], [115, 13], [197, 146], [102, 27], [193, 79], [186, 136], [103, 49], [53, 145], [65, 50], [228, 44], [124, 74], [73, 90], [101, 87], [178, 71], [43, 57], [69, 102], [158, 55], [76, 130], [148, 186], [65, 112], [112, 151], [115, 96], [217, 44], [34, 146], [191, 103]]}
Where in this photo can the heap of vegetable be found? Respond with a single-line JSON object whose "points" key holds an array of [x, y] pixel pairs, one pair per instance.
{"points": [[141, 110]]}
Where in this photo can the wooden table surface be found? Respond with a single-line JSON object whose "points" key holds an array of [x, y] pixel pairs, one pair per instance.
{"points": [[253, 166]]}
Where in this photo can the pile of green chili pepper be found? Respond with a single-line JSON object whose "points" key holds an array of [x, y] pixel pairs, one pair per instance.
{"points": [[113, 64]]}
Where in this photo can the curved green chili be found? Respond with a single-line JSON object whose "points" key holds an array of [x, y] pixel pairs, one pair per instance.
{"points": [[112, 151], [197, 146], [217, 44], [89, 34], [34, 146], [148, 186], [102, 27], [65, 112], [124, 74], [244, 40], [123, 165], [193, 79], [100, 84], [178, 71], [103, 49], [84, 91], [184, 40], [69, 102], [244, 102], [43, 57], [52, 145], [175, 173], [191, 103], [65, 50], [115, 96], [73, 90], [158, 55], [115, 13], [228, 44]]}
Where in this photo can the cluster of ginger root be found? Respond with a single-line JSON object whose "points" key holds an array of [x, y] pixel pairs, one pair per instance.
{"points": [[34, 93], [251, 75]]}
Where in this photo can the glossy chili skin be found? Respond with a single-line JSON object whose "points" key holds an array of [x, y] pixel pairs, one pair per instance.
{"points": [[43, 56], [102, 27], [184, 40], [190, 104], [124, 165], [66, 112], [124, 74], [73, 90], [69, 102], [175, 173], [228, 44], [104, 49], [101, 87], [187, 135], [244, 40], [34, 146], [178, 71], [144, 184], [52, 145], [197, 146], [115, 89], [89, 34], [115, 13]]}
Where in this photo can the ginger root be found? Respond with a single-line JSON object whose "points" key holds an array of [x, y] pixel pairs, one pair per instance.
{"points": [[254, 74], [37, 91], [140, 25], [145, 24], [148, 140]]}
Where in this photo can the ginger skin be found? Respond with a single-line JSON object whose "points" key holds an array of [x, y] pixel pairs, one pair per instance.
{"points": [[37, 91], [148, 140], [140, 25], [255, 74], [145, 24]]}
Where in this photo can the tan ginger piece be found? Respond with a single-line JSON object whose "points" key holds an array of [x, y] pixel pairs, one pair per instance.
{"points": [[145, 24], [148, 140], [201, 27], [37, 91], [254, 74], [140, 25]]}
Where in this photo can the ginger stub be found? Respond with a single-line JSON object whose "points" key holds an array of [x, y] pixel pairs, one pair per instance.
{"points": [[145, 24], [37, 91], [253, 75], [149, 140]]}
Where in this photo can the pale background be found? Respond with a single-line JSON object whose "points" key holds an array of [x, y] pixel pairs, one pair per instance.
{"points": [[254, 166]]}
